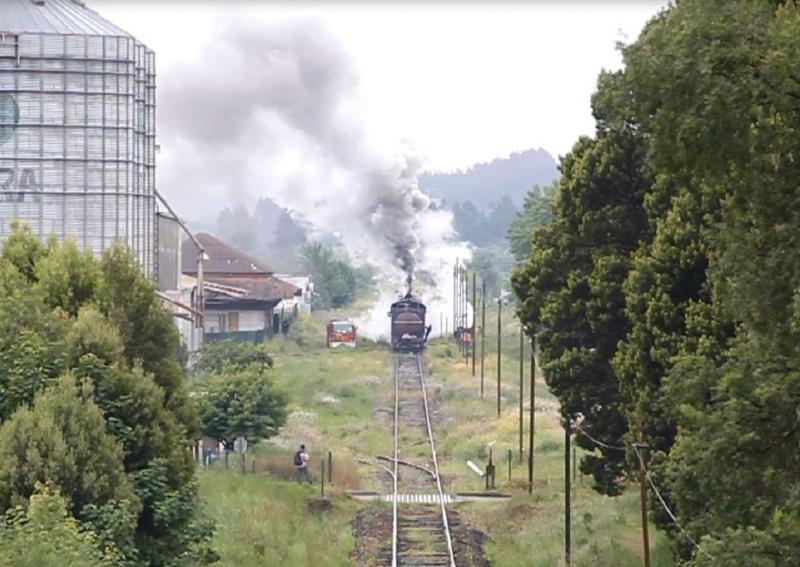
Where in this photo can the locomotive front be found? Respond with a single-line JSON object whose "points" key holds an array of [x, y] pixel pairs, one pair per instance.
{"points": [[409, 333]]}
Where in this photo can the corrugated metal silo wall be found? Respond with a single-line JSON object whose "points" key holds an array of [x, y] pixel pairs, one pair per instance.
{"points": [[169, 253], [77, 139]]}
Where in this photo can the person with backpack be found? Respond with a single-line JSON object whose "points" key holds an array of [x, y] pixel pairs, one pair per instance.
{"points": [[301, 464]]}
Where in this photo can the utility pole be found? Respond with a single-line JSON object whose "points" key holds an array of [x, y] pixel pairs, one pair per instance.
{"points": [[465, 302], [466, 315], [499, 349], [474, 312], [462, 287], [464, 298], [455, 293], [567, 435], [532, 412], [457, 319], [483, 328], [521, 390], [640, 449]]}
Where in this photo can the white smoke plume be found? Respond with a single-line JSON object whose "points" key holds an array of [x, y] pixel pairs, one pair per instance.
{"points": [[273, 109], [439, 252]]}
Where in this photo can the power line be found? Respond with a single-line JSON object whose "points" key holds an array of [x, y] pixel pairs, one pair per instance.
{"points": [[666, 508], [600, 443], [651, 483]]}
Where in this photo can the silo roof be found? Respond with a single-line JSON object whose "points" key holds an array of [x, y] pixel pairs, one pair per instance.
{"points": [[57, 17]]}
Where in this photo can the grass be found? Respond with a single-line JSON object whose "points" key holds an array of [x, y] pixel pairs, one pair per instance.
{"points": [[265, 520], [530, 529]]}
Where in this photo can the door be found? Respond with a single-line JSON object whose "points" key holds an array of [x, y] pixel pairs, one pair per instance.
{"points": [[233, 321]]}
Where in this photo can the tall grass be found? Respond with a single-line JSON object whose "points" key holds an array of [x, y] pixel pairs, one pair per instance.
{"points": [[529, 530], [262, 520]]}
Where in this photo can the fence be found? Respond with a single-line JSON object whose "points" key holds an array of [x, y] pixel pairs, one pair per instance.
{"points": [[237, 336], [340, 472]]}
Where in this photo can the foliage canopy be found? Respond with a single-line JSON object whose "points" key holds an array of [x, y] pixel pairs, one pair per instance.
{"points": [[665, 292]]}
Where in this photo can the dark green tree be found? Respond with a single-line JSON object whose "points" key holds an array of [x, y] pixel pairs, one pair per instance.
{"points": [[43, 534], [150, 337], [241, 403], [537, 211], [161, 523], [22, 249], [572, 286], [713, 84], [335, 279], [236, 393], [214, 357], [62, 438], [68, 277]]}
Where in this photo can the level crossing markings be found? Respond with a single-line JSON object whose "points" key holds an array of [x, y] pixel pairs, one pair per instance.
{"points": [[418, 498]]}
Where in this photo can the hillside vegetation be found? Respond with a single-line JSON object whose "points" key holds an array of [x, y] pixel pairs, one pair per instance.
{"points": [[484, 183]]}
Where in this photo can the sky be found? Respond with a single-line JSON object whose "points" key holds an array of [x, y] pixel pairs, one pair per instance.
{"points": [[463, 83]]}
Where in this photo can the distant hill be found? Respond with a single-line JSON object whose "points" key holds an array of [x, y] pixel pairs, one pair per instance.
{"points": [[485, 182]]}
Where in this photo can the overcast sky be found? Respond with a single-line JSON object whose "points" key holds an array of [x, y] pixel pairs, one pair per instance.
{"points": [[466, 83]]}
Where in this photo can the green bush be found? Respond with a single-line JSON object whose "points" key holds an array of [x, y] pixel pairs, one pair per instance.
{"points": [[306, 332]]}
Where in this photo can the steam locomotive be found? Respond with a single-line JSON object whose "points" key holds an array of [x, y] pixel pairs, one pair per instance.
{"points": [[409, 333]]}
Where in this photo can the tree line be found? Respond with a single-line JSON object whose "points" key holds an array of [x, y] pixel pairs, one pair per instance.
{"points": [[482, 183], [664, 293], [96, 419]]}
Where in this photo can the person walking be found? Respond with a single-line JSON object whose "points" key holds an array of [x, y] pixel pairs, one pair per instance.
{"points": [[301, 464]]}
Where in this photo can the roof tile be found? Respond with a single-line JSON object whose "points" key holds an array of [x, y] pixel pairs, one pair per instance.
{"points": [[222, 258]]}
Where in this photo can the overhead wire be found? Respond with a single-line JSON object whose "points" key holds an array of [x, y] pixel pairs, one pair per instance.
{"points": [[650, 482]]}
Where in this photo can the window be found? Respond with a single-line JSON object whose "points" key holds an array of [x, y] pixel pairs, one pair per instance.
{"points": [[342, 327]]}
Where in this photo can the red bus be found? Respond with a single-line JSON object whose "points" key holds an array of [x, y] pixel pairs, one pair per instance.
{"points": [[341, 332]]}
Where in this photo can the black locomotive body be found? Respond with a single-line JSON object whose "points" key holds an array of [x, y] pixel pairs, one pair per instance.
{"points": [[409, 333]]}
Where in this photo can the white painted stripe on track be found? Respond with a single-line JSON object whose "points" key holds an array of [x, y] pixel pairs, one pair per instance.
{"points": [[418, 498]]}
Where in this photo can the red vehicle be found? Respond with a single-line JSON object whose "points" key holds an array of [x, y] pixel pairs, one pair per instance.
{"points": [[341, 332]]}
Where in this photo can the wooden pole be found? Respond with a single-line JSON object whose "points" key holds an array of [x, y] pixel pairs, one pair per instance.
{"points": [[499, 349], [457, 316], [455, 293], [465, 346], [483, 330], [640, 453], [464, 298], [567, 487], [474, 312], [532, 412], [521, 393]]}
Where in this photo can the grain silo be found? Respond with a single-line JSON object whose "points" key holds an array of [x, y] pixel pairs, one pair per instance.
{"points": [[77, 127]]}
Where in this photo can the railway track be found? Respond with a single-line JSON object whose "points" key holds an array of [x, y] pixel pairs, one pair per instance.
{"points": [[421, 535]]}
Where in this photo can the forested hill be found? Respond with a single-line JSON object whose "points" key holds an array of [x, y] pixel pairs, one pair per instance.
{"points": [[484, 182]]}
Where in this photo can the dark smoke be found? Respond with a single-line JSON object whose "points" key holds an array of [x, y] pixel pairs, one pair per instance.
{"points": [[261, 93]]}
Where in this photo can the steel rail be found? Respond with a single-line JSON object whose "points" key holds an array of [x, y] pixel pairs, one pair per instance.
{"points": [[396, 457], [445, 523]]}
